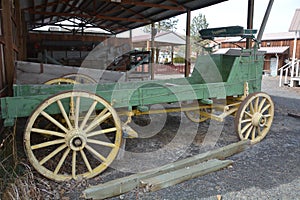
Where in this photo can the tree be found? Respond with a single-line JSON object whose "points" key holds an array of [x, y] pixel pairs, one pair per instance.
{"points": [[197, 43], [164, 25]]}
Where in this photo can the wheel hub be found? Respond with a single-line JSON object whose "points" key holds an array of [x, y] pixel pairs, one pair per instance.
{"points": [[259, 120], [76, 140]]}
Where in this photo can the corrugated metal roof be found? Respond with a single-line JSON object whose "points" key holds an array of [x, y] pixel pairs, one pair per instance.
{"points": [[274, 50], [295, 25], [114, 16]]}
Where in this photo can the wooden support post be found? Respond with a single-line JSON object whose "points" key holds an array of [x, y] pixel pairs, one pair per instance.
{"points": [[293, 59], [172, 54], [187, 69], [128, 183], [153, 33], [8, 46], [250, 21]]}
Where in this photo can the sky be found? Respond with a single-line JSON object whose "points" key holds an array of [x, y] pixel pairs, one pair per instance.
{"points": [[234, 12]]}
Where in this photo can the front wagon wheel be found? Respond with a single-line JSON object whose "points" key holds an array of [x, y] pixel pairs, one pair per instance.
{"points": [[72, 135], [254, 117]]}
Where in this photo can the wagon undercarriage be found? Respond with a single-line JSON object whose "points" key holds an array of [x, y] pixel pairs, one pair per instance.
{"points": [[74, 128]]}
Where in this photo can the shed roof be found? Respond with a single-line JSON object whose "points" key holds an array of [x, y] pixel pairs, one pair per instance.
{"points": [[274, 50], [267, 50], [161, 39], [114, 16], [295, 24]]}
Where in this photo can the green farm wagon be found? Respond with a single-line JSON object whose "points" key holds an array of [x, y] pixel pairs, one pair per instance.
{"points": [[70, 123]]}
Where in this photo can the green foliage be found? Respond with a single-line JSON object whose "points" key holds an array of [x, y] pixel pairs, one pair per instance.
{"points": [[197, 43], [164, 25], [179, 60]]}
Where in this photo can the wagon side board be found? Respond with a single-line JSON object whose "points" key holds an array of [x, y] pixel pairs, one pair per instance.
{"points": [[23, 106], [216, 76]]}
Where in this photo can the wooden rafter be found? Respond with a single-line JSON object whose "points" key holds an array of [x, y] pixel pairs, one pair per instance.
{"points": [[150, 5], [88, 16]]}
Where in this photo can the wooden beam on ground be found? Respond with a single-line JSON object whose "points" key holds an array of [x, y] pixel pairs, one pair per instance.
{"points": [[166, 180], [128, 183], [294, 115]]}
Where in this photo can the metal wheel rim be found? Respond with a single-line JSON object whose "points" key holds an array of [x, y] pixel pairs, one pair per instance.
{"points": [[59, 81], [254, 117], [71, 136]]}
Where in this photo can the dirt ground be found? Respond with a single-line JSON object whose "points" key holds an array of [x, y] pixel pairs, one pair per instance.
{"points": [[267, 170]]}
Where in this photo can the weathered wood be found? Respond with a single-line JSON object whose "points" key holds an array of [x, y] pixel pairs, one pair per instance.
{"points": [[8, 47], [294, 115], [37, 73], [187, 173], [125, 184]]}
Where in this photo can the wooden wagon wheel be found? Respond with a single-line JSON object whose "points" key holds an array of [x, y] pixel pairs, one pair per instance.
{"points": [[254, 117], [59, 81], [74, 149], [195, 115], [80, 78]]}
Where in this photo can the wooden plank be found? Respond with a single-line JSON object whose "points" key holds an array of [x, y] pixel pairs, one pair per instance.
{"points": [[128, 183], [294, 115], [181, 175], [40, 73]]}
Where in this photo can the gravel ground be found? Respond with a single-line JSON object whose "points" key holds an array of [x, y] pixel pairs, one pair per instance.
{"points": [[267, 170]]}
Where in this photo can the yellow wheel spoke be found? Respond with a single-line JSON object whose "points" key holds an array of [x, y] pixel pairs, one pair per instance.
{"points": [[265, 108], [47, 144], [108, 130], [247, 113], [261, 104], [251, 108], [87, 116], [248, 132], [97, 122], [268, 115], [93, 151], [256, 104], [47, 132], [74, 165], [62, 160], [246, 120], [253, 133], [53, 153], [245, 127], [259, 131], [77, 110], [54, 121], [86, 161], [63, 111], [107, 144]]}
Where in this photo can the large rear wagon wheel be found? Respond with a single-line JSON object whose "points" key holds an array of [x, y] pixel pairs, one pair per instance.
{"points": [[80, 78], [83, 140], [61, 81], [254, 117]]}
